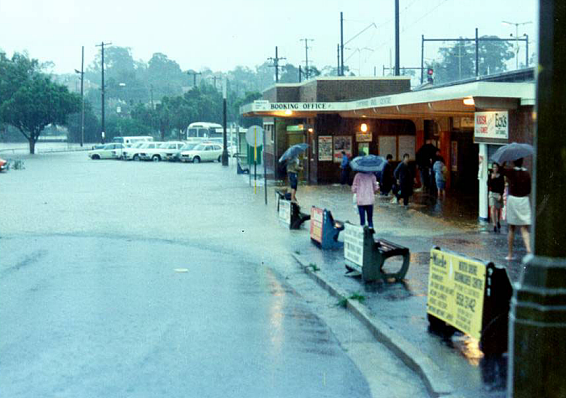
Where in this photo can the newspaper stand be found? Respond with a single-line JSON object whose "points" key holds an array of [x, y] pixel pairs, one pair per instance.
{"points": [[471, 296], [366, 255], [289, 212], [324, 230]]}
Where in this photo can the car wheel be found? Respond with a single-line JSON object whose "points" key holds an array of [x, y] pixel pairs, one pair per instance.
{"points": [[196, 159], [95, 157], [137, 157], [156, 158]]}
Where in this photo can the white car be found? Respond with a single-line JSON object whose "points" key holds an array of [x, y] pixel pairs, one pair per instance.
{"points": [[108, 151], [130, 152], [145, 151], [202, 153], [168, 150]]}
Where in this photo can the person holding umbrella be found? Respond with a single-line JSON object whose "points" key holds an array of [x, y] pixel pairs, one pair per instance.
{"points": [[291, 156], [365, 185], [519, 181]]}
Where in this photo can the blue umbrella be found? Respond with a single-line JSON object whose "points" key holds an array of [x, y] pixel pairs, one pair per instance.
{"points": [[510, 152], [293, 152], [368, 163]]}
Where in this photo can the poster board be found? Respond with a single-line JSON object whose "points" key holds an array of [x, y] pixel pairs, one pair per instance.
{"points": [[407, 145], [316, 224], [388, 145], [456, 288], [325, 148], [354, 245], [285, 212], [342, 143]]}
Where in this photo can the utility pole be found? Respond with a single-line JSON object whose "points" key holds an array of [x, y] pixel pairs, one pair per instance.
{"points": [[224, 137], [341, 44], [338, 64], [194, 74], [397, 46], [300, 73], [307, 57], [537, 320], [103, 89], [276, 64], [82, 96], [151, 96]]}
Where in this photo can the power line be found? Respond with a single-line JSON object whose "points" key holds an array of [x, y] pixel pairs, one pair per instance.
{"points": [[306, 57], [276, 64]]}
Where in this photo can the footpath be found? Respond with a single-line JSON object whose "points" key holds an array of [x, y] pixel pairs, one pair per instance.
{"points": [[396, 312]]}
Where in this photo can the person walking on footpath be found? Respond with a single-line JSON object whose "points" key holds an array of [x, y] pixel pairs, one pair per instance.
{"points": [[518, 204], [365, 186], [344, 169], [440, 172], [387, 179], [404, 180], [293, 169], [496, 187]]}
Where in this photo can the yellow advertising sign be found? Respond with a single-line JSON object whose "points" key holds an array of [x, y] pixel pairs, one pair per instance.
{"points": [[456, 287]]}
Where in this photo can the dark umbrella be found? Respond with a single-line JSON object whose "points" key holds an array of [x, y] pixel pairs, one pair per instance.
{"points": [[425, 153], [513, 151], [293, 151], [368, 163]]}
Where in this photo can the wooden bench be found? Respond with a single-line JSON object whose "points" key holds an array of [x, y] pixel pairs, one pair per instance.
{"points": [[387, 249]]}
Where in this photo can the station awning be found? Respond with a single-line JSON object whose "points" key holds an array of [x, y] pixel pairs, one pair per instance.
{"points": [[464, 100]]}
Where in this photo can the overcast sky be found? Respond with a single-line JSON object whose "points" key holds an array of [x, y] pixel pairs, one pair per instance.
{"points": [[220, 34]]}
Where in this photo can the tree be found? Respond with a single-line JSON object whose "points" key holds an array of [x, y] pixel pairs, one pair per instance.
{"points": [[92, 126], [248, 99], [36, 104]]}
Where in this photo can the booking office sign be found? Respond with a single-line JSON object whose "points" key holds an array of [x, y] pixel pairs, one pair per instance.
{"points": [[456, 288]]}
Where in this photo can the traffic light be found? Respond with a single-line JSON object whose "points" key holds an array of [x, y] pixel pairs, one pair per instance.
{"points": [[429, 73]]}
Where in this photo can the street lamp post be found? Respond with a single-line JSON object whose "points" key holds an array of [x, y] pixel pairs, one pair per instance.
{"points": [[82, 97], [224, 138], [516, 38]]}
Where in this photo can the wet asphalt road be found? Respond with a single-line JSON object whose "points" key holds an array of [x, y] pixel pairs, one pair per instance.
{"points": [[154, 280]]}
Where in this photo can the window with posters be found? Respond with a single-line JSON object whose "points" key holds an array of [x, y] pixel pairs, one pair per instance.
{"points": [[342, 143], [325, 148]]}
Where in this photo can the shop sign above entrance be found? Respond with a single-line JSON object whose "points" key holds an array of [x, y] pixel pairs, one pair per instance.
{"points": [[491, 125]]}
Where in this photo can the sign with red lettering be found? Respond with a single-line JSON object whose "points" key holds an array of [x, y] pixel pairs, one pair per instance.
{"points": [[491, 125], [316, 224]]}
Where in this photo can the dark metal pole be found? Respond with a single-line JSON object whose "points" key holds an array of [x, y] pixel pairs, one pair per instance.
{"points": [[477, 54], [526, 51], [422, 60], [397, 55], [338, 64], [537, 347], [300, 73], [82, 97], [103, 101], [341, 43], [276, 66], [264, 168], [224, 138]]}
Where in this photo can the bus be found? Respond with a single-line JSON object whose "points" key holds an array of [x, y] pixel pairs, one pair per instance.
{"points": [[132, 140], [204, 130]]}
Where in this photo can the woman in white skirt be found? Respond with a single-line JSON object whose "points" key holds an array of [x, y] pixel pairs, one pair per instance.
{"points": [[518, 205]]}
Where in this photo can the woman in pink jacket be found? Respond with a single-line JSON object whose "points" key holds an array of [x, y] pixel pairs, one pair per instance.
{"points": [[365, 186]]}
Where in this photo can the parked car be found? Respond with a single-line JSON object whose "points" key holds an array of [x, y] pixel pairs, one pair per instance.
{"points": [[167, 150], [144, 151], [128, 153], [186, 147], [108, 151], [3, 165], [203, 153]]}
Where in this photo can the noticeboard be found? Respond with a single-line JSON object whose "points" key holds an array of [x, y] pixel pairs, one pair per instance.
{"points": [[456, 287], [354, 245], [285, 211], [325, 148], [316, 224]]}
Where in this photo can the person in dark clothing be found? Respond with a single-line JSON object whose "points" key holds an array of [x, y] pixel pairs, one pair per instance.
{"points": [[496, 187], [404, 179], [344, 169], [387, 179], [518, 204]]}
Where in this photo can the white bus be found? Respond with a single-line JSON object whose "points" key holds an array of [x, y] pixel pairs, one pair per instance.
{"points": [[204, 130], [132, 140]]}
